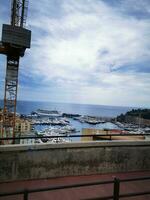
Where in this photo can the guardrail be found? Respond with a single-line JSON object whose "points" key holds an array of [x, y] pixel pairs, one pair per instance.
{"points": [[116, 189], [72, 136], [96, 137]]}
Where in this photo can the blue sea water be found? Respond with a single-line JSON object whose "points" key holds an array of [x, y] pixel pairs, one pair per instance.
{"points": [[26, 107]]}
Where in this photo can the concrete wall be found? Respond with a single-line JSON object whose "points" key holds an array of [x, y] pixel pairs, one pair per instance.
{"points": [[54, 160]]}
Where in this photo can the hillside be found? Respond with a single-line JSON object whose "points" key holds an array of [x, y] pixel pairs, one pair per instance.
{"points": [[141, 113]]}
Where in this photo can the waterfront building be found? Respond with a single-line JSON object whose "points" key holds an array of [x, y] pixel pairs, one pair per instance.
{"points": [[105, 135], [22, 126]]}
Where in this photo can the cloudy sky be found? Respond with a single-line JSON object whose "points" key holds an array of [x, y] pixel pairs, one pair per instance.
{"points": [[85, 51]]}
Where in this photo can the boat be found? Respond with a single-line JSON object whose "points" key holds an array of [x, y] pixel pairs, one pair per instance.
{"points": [[48, 113]]}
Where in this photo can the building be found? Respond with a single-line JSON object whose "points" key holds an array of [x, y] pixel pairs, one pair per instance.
{"points": [[22, 126], [105, 135]]}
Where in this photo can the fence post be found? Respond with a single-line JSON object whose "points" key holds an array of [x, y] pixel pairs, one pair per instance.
{"points": [[116, 189], [25, 195]]}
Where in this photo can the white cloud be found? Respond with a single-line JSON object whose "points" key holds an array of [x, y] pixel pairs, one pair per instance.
{"points": [[75, 42]]}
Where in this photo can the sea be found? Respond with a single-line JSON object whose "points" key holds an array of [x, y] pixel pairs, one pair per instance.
{"points": [[26, 107]]}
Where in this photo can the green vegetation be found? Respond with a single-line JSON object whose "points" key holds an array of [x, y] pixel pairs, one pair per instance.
{"points": [[142, 113]]}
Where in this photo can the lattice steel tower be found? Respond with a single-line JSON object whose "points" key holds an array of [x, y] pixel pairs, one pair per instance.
{"points": [[15, 40]]}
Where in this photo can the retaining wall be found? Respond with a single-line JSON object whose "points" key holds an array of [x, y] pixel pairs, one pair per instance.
{"points": [[24, 162]]}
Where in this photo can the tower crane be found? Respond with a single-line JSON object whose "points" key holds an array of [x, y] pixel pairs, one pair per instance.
{"points": [[15, 39]]}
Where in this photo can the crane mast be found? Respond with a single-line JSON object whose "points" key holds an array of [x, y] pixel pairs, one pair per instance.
{"points": [[19, 12], [15, 40]]}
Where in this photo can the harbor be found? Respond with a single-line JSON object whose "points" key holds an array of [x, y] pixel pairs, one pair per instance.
{"points": [[56, 123]]}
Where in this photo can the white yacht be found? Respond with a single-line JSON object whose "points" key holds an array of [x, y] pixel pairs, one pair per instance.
{"points": [[48, 113]]}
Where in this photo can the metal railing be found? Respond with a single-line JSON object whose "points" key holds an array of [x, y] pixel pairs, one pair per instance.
{"points": [[115, 196], [109, 136]]}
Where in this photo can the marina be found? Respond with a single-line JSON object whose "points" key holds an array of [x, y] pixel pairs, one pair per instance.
{"points": [[47, 121], [89, 120], [53, 132], [56, 123]]}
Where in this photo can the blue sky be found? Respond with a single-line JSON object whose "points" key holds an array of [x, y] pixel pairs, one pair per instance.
{"points": [[85, 51]]}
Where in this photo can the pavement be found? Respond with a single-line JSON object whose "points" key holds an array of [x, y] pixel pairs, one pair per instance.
{"points": [[87, 192]]}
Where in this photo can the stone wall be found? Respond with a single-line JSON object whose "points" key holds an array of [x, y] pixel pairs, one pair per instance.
{"points": [[55, 160]]}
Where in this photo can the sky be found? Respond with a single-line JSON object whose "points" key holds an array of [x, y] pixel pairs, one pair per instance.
{"points": [[85, 51]]}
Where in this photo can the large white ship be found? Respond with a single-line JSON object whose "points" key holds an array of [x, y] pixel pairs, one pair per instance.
{"points": [[48, 113]]}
